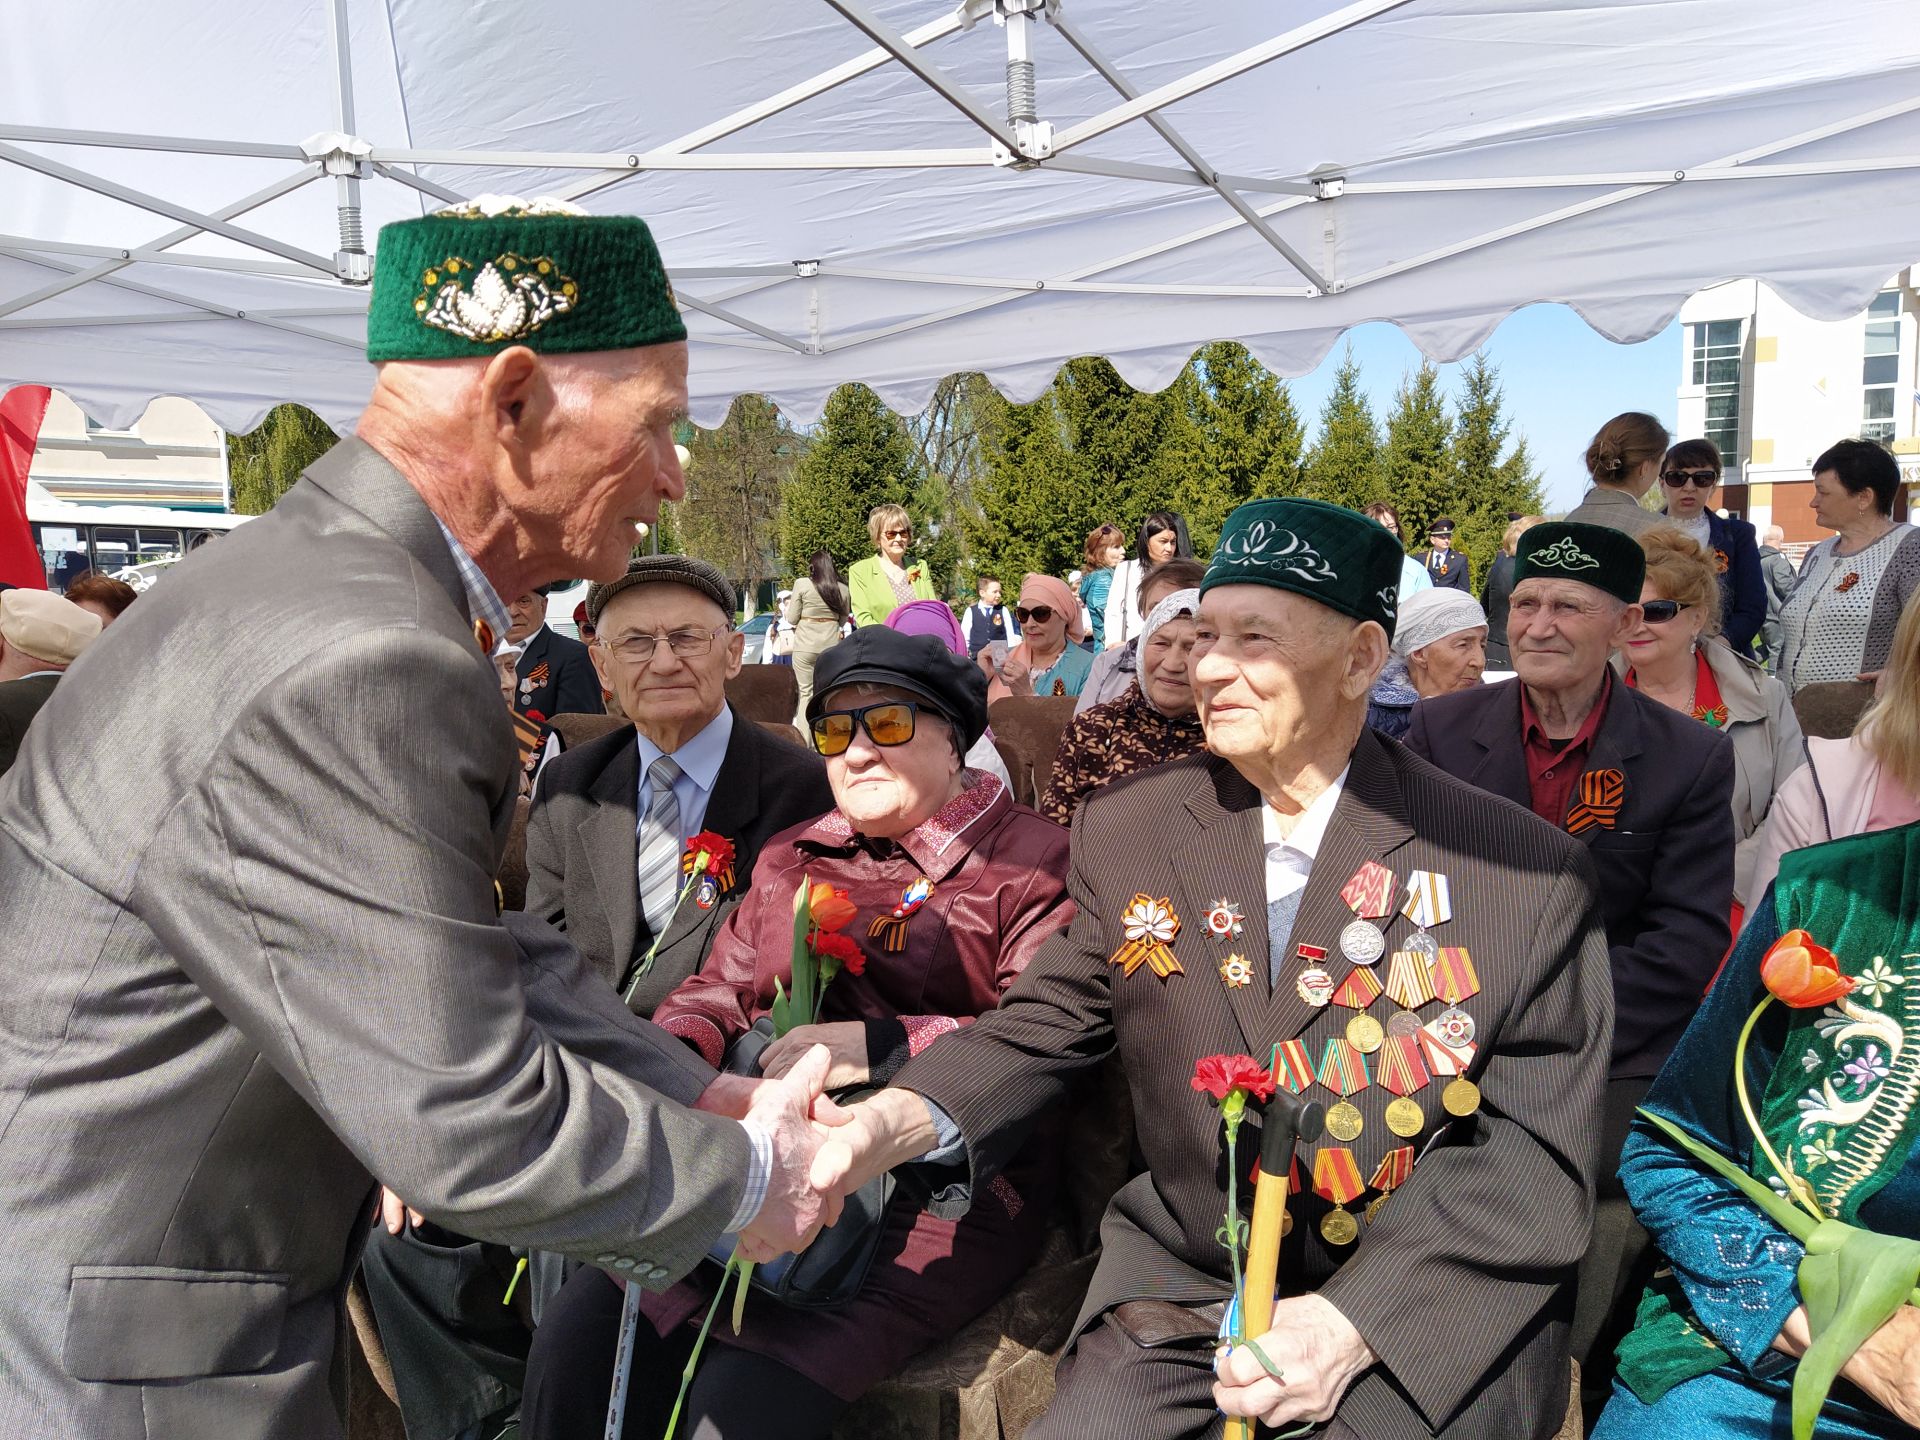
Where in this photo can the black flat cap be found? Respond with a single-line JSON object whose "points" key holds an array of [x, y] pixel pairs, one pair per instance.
{"points": [[921, 665], [666, 570]]}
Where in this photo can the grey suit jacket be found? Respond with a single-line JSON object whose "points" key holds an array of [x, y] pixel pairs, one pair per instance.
{"points": [[583, 849], [253, 962]]}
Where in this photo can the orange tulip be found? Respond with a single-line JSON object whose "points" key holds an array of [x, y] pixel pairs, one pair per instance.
{"points": [[1801, 974], [830, 908]]}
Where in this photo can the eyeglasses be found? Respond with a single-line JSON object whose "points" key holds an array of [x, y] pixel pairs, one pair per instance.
{"points": [[1042, 613], [891, 722], [899, 534], [1703, 479], [638, 649], [1659, 612]]}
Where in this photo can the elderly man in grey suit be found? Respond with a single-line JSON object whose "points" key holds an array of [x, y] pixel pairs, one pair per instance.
{"points": [[252, 951]]}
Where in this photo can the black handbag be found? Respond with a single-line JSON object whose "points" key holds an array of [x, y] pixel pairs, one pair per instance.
{"points": [[830, 1271]]}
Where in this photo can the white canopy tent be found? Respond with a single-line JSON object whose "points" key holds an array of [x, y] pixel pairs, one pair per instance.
{"points": [[894, 190]]}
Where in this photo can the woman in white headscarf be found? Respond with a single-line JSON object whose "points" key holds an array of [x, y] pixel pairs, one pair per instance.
{"points": [[1439, 645]]}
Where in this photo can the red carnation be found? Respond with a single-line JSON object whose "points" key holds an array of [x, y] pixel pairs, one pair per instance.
{"points": [[717, 848], [840, 948], [830, 908], [1220, 1075]]}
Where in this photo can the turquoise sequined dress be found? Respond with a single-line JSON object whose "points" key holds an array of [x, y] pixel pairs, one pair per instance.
{"points": [[1733, 1280]]}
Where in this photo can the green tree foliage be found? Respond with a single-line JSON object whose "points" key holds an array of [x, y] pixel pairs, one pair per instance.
{"points": [[1342, 467], [862, 456], [263, 463], [1416, 463], [1033, 503], [735, 476], [1487, 485], [1245, 439]]}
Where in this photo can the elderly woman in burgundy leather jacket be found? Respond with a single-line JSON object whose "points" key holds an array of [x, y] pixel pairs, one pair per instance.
{"points": [[893, 714]]}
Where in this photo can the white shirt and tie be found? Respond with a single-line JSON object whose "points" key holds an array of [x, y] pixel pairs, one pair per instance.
{"points": [[1290, 864], [672, 804]]}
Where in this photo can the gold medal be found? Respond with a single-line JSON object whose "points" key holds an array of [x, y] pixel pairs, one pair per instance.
{"points": [[1345, 1122], [1461, 1097], [1339, 1228], [1373, 1207], [1365, 1034], [1286, 1223], [1405, 1118]]}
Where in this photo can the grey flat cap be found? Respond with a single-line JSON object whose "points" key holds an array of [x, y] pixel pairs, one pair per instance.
{"points": [[670, 570]]}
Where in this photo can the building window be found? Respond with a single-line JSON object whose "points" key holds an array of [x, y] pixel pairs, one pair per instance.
{"points": [[1714, 346], [1880, 369]]}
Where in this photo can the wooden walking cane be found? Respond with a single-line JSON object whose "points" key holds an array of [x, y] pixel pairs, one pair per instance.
{"points": [[1289, 1119]]}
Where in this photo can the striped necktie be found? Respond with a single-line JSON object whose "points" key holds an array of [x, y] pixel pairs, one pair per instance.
{"points": [[660, 846]]}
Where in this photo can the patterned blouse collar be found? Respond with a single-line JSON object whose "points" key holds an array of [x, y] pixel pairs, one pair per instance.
{"points": [[934, 844], [1142, 710]]}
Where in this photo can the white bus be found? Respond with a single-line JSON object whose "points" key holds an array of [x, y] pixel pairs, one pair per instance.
{"points": [[134, 543]]}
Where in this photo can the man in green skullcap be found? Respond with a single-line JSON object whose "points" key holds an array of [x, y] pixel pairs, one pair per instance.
{"points": [[254, 951], [1648, 791], [1388, 944]]}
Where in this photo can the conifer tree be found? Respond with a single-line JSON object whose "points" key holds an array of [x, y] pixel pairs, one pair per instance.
{"points": [[861, 457], [1343, 465], [1032, 505], [1489, 488], [1246, 439], [1416, 463]]}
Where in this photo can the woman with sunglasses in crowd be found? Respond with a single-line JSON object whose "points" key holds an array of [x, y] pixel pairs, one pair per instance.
{"points": [[1688, 477], [886, 579], [1676, 657], [953, 888], [1043, 663]]}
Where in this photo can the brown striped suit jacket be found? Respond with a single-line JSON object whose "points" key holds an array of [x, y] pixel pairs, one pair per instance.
{"points": [[1458, 1285]]}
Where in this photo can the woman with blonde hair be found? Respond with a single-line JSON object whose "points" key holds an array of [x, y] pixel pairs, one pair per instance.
{"points": [[1623, 462], [1676, 656], [1498, 588], [884, 581], [1869, 781]]}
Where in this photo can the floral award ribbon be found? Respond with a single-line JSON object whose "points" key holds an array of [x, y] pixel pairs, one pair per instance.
{"points": [[1149, 926]]}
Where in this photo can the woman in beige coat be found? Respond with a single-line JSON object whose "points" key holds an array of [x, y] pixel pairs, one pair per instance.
{"points": [[1674, 657], [817, 611]]}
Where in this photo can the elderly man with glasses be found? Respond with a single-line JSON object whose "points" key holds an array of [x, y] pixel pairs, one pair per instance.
{"points": [[609, 824], [1649, 791]]}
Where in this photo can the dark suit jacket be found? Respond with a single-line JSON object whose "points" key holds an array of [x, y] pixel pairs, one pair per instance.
{"points": [[1457, 1285], [20, 701], [1666, 866], [571, 686], [583, 849], [1455, 571], [1743, 588]]}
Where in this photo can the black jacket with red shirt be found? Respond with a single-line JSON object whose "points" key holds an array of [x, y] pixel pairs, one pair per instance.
{"points": [[1665, 857]]}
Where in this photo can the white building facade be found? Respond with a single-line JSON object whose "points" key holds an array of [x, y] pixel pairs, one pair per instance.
{"points": [[174, 457], [1773, 389]]}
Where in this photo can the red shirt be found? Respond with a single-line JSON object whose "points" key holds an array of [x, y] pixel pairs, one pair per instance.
{"points": [[1554, 766]]}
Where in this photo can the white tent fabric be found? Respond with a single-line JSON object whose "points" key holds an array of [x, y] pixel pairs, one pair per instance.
{"points": [[840, 194]]}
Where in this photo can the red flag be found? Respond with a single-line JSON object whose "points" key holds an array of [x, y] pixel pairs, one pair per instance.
{"points": [[21, 410]]}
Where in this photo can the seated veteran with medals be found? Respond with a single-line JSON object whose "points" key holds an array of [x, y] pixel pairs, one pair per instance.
{"points": [[606, 855], [944, 889], [1818, 1011], [1649, 793], [1426, 963]]}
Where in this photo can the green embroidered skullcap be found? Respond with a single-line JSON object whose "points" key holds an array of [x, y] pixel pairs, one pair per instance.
{"points": [[1596, 555], [1336, 556], [499, 271]]}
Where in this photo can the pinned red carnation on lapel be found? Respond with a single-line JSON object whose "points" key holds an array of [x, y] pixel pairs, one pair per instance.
{"points": [[711, 854], [1799, 973], [1220, 1075]]}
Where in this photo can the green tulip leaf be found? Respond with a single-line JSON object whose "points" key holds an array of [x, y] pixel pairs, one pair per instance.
{"points": [[1782, 1211], [781, 1010], [1851, 1283]]}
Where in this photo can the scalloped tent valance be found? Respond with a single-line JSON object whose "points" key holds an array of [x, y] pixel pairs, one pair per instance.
{"points": [[894, 190]]}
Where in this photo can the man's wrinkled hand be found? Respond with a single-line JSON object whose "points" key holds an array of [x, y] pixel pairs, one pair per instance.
{"points": [[1318, 1353], [846, 1042], [795, 1210]]}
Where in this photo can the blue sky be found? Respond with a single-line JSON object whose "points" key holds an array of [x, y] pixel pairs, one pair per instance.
{"points": [[1563, 380]]}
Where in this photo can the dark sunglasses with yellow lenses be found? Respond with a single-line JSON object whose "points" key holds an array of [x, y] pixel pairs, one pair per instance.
{"points": [[888, 723]]}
